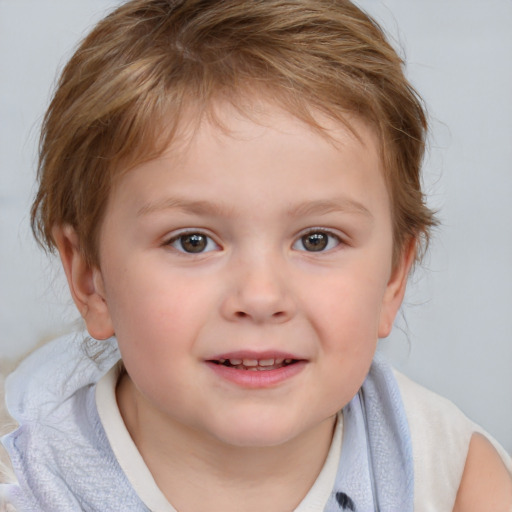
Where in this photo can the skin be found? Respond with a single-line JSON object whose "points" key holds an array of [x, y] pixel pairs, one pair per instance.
{"points": [[485, 484], [254, 193]]}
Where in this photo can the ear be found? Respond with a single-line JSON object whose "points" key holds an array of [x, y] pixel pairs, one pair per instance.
{"points": [[85, 283], [395, 289]]}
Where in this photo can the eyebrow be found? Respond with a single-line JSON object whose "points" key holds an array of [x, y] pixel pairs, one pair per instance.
{"points": [[197, 207], [200, 207], [324, 206]]}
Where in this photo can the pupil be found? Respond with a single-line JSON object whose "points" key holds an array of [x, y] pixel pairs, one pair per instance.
{"points": [[315, 242], [193, 243]]}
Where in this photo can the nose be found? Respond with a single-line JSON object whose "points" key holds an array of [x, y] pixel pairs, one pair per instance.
{"points": [[258, 292]]}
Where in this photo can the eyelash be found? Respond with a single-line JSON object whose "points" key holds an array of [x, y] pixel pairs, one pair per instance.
{"points": [[321, 240]]}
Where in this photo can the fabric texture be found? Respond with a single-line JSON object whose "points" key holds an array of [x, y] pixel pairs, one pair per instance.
{"points": [[60, 453], [376, 469], [63, 460]]}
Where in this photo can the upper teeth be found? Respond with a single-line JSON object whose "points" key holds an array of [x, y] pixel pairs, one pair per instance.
{"points": [[256, 362]]}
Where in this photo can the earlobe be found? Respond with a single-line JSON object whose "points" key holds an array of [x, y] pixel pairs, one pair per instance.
{"points": [[85, 283], [395, 289]]}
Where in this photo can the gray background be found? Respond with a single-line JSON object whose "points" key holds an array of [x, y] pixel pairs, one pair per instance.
{"points": [[454, 335]]}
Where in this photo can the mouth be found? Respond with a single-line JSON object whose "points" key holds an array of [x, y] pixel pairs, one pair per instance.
{"points": [[255, 365], [257, 370]]}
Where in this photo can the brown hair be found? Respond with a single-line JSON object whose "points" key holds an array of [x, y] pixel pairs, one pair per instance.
{"points": [[122, 94]]}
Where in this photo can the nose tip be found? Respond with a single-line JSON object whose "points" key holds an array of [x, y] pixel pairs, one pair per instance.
{"points": [[259, 298]]}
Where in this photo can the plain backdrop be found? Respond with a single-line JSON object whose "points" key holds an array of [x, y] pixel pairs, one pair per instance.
{"points": [[454, 333]]}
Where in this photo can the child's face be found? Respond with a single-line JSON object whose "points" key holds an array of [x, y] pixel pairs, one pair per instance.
{"points": [[266, 244]]}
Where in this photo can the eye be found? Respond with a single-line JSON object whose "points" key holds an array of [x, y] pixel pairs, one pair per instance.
{"points": [[193, 243], [317, 241]]}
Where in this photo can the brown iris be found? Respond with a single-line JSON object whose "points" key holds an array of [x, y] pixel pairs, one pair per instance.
{"points": [[193, 242], [315, 241]]}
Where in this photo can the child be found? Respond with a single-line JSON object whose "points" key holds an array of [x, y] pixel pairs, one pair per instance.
{"points": [[234, 191]]}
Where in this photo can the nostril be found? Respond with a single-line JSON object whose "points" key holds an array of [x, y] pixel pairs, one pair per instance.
{"points": [[241, 314]]}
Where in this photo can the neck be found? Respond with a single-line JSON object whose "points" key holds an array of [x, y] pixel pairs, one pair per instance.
{"points": [[192, 469]]}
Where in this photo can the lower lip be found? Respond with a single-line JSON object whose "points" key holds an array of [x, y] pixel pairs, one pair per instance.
{"points": [[259, 378]]}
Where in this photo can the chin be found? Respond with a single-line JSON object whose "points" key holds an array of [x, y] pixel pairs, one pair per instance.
{"points": [[255, 440], [256, 434]]}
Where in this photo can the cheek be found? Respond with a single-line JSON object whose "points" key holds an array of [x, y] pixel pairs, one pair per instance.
{"points": [[348, 307], [156, 315], [347, 322], [157, 328]]}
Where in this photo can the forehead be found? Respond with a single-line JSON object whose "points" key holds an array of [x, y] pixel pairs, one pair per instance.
{"points": [[175, 133], [225, 153]]}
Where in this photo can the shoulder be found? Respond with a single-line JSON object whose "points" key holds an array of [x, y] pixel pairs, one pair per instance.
{"points": [[441, 436], [486, 483], [49, 377]]}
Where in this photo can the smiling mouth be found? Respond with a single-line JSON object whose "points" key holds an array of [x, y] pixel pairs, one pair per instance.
{"points": [[256, 365]]}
